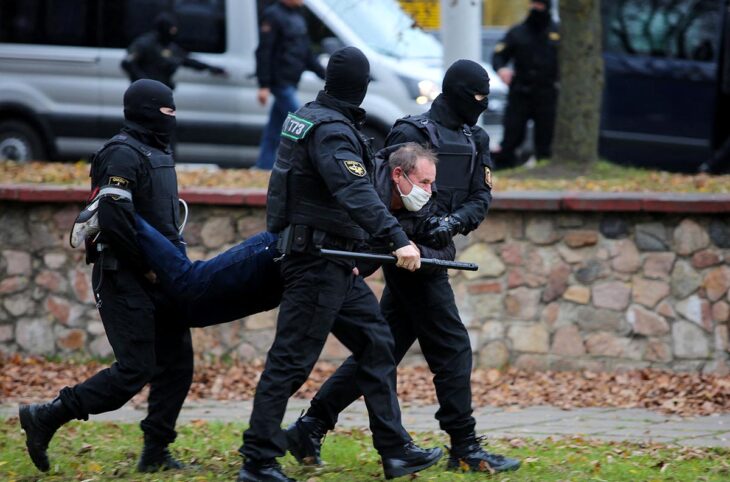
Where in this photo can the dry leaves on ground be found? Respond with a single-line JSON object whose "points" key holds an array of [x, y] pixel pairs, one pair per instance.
{"points": [[605, 178], [685, 394]]}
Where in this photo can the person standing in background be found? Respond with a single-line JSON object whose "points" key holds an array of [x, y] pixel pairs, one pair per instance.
{"points": [[282, 55], [155, 55], [532, 46]]}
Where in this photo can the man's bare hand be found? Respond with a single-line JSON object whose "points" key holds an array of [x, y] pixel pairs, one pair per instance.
{"points": [[263, 95], [151, 276], [408, 258], [506, 74]]}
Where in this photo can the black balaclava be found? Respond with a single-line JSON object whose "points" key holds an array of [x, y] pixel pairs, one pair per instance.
{"points": [[164, 24], [539, 20], [347, 75], [462, 80], [142, 102]]}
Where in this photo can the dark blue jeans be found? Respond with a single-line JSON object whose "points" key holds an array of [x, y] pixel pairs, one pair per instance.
{"points": [[285, 101], [239, 282]]}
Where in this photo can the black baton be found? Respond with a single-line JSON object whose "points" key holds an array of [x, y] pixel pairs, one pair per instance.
{"points": [[390, 259]]}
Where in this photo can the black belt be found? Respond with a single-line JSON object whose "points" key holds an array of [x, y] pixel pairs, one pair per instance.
{"points": [[305, 239], [322, 239]]}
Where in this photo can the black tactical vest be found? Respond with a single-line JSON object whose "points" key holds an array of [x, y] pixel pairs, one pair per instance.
{"points": [[155, 196], [297, 193], [457, 156]]}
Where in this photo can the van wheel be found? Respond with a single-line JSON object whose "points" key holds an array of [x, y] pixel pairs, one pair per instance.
{"points": [[378, 138], [20, 142]]}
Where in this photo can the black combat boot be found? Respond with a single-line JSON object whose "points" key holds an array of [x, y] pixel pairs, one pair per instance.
{"points": [[156, 456], [305, 437], [262, 471], [409, 459], [467, 454], [40, 422]]}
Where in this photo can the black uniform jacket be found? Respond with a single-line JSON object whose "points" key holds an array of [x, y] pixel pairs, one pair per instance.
{"points": [[284, 52], [148, 58], [534, 53], [121, 165]]}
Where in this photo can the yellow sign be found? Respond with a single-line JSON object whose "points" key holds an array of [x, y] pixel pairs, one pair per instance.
{"points": [[426, 13]]}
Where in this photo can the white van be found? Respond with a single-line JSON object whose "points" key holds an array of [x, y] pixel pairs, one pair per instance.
{"points": [[61, 84]]}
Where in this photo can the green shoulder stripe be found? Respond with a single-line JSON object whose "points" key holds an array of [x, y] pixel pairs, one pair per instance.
{"points": [[296, 127]]}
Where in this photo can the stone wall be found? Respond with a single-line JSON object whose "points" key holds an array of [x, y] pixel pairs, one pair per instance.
{"points": [[556, 290]]}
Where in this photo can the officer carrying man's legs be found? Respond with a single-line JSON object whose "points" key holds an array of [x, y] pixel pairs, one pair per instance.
{"points": [[321, 196], [149, 343]]}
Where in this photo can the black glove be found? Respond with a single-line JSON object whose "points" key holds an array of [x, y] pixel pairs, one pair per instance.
{"points": [[217, 70], [439, 236]]}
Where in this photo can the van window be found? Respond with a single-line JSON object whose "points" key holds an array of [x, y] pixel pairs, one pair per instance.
{"points": [[386, 28], [662, 28], [201, 22], [202, 25], [317, 30], [49, 22]]}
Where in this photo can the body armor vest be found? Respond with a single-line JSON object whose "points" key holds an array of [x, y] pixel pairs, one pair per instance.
{"points": [[457, 156], [155, 195], [297, 194]]}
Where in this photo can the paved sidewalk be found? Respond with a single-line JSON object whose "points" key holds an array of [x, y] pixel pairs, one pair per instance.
{"points": [[535, 422]]}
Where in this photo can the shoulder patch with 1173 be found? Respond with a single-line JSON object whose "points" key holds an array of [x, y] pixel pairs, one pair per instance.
{"points": [[295, 127]]}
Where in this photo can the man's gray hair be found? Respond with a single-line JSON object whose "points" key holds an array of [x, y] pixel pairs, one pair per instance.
{"points": [[406, 157]]}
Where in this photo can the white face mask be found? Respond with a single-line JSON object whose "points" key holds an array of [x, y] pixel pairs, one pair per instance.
{"points": [[417, 198]]}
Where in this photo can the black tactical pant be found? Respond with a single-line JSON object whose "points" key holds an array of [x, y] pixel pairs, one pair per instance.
{"points": [[421, 306], [524, 104], [150, 346], [323, 296]]}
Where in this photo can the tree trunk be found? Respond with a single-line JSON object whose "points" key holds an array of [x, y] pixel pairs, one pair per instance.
{"points": [[581, 82]]}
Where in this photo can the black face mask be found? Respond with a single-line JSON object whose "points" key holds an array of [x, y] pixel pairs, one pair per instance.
{"points": [[142, 102], [462, 81], [538, 20], [164, 23], [347, 75]]}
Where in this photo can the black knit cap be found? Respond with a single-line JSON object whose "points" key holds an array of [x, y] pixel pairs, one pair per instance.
{"points": [[347, 75], [547, 3]]}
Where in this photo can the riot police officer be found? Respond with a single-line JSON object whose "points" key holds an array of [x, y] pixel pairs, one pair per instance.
{"points": [[321, 196], [533, 83], [464, 193], [155, 54], [150, 345]]}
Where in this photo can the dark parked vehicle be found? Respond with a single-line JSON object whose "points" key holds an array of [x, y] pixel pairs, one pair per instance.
{"points": [[666, 101]]}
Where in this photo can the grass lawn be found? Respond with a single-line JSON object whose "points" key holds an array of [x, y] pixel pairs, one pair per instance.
{"points": [[95, 451], [604, 176]]}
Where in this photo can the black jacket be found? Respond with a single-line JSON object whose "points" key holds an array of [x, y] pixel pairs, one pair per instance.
{"points": [[474, 209], [148, 58], [284, 52], [151, 179], [534, 53], [415, 224], [322, 177]]}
